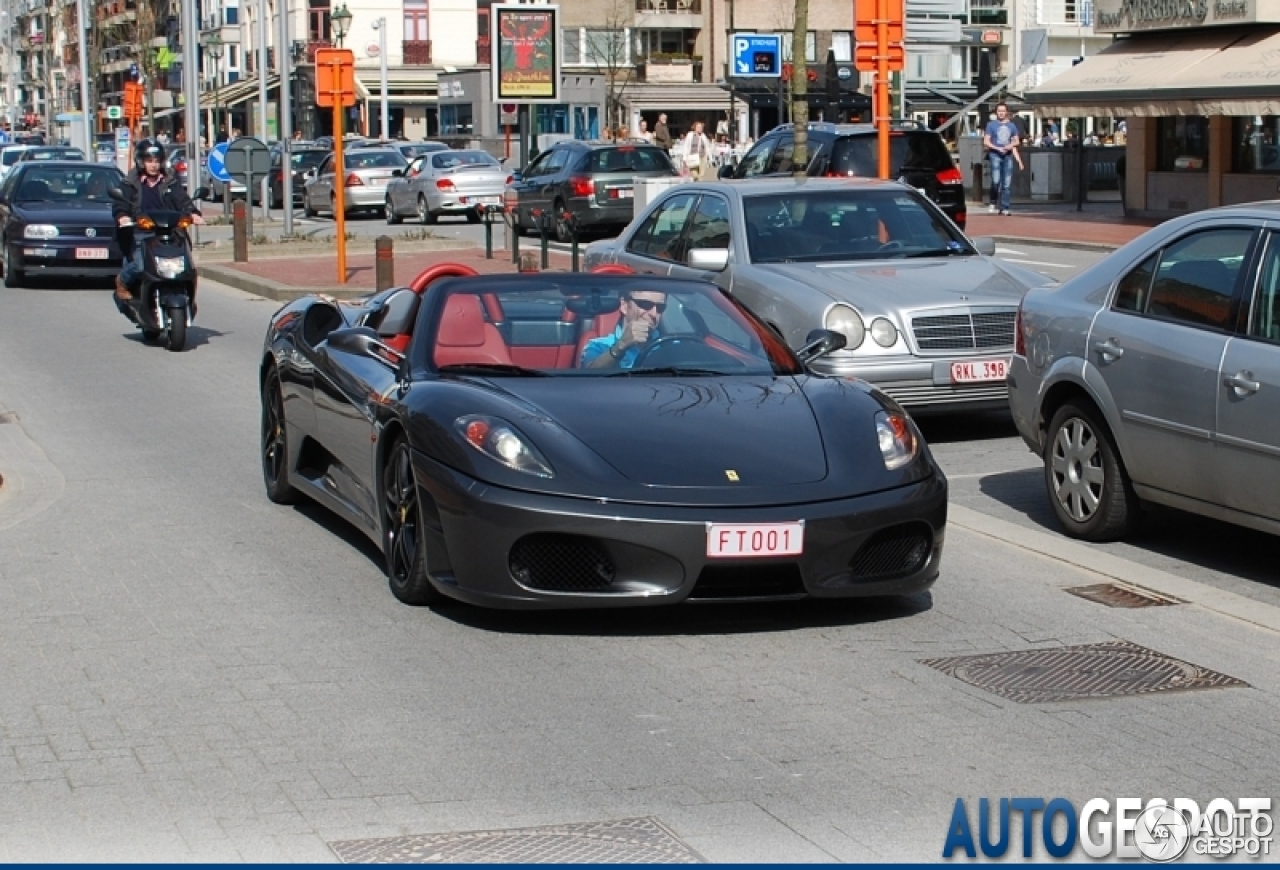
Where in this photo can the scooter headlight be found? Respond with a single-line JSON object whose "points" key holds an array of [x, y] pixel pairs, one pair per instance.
{"points": [[170, 267]]}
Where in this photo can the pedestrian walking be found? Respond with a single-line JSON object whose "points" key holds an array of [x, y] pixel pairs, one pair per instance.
{"points": [[697, 152], [661, 134], [1001, 142]]}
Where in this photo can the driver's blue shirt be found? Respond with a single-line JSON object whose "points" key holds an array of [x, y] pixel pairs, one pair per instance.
{"points": [[597, 346]]}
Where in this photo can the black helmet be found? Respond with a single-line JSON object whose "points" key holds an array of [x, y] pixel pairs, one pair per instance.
{"points": [[147, 148]]}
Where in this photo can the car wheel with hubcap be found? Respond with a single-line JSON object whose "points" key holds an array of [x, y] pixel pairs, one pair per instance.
{"points": [[402, 542], [390, 212], [563, 232], [424, 212], [1088, 486]]}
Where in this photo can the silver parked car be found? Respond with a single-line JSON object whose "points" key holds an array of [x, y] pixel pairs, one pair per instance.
{"points": [[446, 183], [366, 174], [927, 314], [1154, 376]]}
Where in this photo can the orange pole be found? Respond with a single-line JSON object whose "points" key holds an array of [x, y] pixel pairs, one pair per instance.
{"points": [[882, 84], [339, 182]]}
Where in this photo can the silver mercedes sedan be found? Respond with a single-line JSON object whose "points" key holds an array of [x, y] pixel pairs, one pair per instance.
{"points": [[927, 314], [1154, 376]]}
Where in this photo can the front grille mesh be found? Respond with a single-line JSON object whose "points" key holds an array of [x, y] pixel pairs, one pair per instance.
{"points": [[561, 563], [897, 551], [766, 580], [975, 331]]}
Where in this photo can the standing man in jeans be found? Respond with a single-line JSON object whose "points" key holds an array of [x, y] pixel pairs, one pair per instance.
{"points": [[1001, 142]]}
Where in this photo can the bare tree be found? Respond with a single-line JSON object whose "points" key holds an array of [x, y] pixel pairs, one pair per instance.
{"points": [[800, 90], [150, 15], [608, 50]]}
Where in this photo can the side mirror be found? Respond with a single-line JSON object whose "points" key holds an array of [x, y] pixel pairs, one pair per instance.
{"points": [[202, 193], [517, 175], [309, 174], [820, 342], [116, 193], [726, 171], [985, 245], [397, 173], [363, 341], [709, 259]]}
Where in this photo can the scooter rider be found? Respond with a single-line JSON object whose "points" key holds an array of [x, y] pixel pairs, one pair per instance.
{"points": [[147, 188]]}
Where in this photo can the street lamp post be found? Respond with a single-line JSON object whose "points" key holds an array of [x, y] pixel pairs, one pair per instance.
{"points": [[381, 26], [213, 48], [340, 21]]}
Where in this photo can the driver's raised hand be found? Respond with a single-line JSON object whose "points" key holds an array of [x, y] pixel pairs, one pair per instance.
{"points": [[636, 332]]}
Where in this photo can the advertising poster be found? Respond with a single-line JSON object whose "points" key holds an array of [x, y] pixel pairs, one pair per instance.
{"points": [[526, 65]]}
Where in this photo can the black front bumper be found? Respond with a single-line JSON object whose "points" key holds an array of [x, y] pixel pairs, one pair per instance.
{"points": [[480, 537], [57, 258]]}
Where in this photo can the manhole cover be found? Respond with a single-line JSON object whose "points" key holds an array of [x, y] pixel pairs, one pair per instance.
{"points": [[1099, 670], [625, 841], [1116, 595]]}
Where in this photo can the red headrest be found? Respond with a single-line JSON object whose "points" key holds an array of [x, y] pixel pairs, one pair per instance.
{"points": [[462, 324]]}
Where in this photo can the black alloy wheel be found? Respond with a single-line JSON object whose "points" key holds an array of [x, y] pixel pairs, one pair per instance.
{"points": [[275, 444], [402, 541], [13, 276]]}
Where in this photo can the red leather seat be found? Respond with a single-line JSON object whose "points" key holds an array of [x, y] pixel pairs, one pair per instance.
{"points": [[466, 337], [600, 325]]}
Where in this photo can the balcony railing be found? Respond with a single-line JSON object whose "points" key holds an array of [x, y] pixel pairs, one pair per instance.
{"points": [[417, 52], [669, 7], [482, 51], [314, 46]]}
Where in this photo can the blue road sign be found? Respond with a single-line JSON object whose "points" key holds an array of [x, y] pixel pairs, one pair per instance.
{"points": [[756, 55], [218, 162]]}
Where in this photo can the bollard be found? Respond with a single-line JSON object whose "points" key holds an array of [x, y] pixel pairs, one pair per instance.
{"points": [[239, 232], [542, 230], [383, 263], [978, 194], [515, 239], [488, 233], [573, 235]]}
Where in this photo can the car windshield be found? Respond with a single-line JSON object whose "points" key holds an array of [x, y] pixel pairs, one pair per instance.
{"points": [[66, 185], [455, 159], [628, 158], [387, 159], [854, 224], [544, 326], [420, 148], [307, 159], [10, 156], [859, 155]]}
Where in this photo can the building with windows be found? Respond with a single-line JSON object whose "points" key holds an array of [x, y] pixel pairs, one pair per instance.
{"points": [[1195, 87]]}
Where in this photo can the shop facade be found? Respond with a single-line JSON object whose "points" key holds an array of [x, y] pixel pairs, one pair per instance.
{"points": [[1197, 86]]}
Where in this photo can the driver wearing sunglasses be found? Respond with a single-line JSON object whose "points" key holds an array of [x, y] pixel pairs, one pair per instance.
{"points": [[641, 312]]}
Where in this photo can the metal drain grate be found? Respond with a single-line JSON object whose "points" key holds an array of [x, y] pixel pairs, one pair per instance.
{"points": [[1116, 595], [624, 841], [1100, 670]]}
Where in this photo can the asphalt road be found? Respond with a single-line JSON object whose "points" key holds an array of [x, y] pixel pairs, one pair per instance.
{"points": [[193, 673]]}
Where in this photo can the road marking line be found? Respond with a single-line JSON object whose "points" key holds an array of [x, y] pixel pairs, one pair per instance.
{"points": [[1000, 250], [1063, 549], [1038, 263]]}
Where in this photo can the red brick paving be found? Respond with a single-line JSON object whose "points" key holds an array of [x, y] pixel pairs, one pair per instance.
{"points": [[322, 270], [1057, 226]]}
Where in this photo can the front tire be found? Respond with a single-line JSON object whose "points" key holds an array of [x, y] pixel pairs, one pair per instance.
{"points": [[275, 443], [392, 217], [13, 276], [177, 329], [402, 542], [424, 212], [1088, 486], [307, 210], [563, 232]]}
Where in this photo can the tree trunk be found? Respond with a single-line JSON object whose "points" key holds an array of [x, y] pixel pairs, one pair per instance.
{"points": [[800, 90]]}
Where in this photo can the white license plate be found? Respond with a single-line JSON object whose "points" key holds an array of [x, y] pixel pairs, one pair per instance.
{"points": [[92, 253], [489, 200], [746, 540], [623, 193], [979, 371]]}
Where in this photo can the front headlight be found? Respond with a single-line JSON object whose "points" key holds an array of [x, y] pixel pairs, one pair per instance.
{"points": [[883, 332], [846, 321], [499, 440], [170, 267], [897, 439], [40, 231]]}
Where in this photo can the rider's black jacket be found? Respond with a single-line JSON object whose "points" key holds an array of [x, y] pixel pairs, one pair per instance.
{"points": [[172, 193]]}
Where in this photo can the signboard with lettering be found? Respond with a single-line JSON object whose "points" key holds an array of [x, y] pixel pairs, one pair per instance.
{"points": [[1127, 16], [526, 60]]}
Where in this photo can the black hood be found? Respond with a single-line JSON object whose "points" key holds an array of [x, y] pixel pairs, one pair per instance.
{"points": [[80, 212]]}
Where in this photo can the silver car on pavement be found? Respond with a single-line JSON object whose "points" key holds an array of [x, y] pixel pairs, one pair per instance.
{"points": [[366, 174], [927, 314], [446, 183], [1154, 376]]}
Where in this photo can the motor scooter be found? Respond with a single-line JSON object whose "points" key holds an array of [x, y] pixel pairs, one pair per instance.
{"points": [[165, 304]]}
